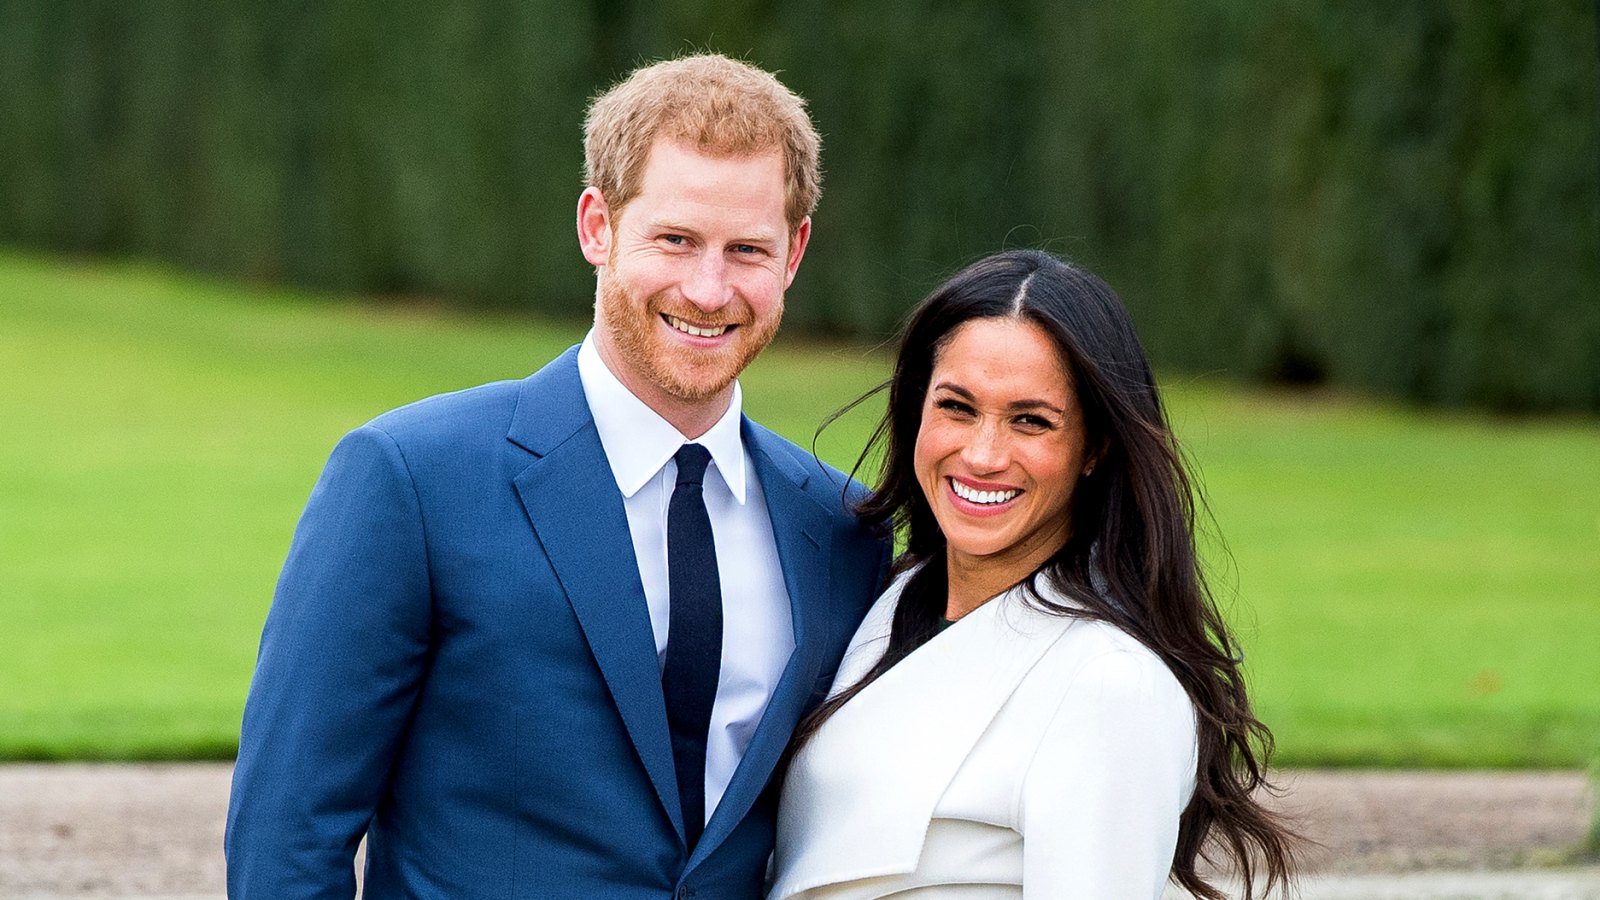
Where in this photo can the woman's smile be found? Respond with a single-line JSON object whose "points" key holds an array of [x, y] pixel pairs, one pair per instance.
{"points": [[981, 498]]}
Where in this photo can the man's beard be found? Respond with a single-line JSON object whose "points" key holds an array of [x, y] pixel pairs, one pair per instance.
{"points": [[686, 373]]}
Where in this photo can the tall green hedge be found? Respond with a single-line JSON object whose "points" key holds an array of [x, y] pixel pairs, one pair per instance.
{"points": [[1399, 197]]}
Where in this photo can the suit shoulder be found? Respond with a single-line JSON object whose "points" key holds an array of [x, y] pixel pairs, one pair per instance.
{"points": [[824, 478], [451, 416]]}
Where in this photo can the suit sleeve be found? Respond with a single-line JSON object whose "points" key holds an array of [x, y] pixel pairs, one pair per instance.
{"points": [[342, 656], [1115, 769]]}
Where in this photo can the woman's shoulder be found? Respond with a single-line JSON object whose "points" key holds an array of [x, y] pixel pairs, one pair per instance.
{"points": [[1104, 639], [1096, 654], [1111, 658]]}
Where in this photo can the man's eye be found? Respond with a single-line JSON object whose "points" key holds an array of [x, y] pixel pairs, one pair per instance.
{"points": [[746, 248], [677, 240]]}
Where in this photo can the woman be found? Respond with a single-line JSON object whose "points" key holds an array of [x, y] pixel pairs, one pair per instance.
{"points": [[1045, 702]]}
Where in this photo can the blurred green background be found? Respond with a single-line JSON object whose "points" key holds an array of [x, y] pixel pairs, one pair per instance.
{"points": [[1362, 243], [1412, 588], [1399, 197]]}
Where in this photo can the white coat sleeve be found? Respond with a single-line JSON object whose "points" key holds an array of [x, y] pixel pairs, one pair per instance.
{"points": [[1099, 805]]}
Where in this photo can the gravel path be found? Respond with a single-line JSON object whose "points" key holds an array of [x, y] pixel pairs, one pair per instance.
{"points": [[155, 831], [1410, 821]]}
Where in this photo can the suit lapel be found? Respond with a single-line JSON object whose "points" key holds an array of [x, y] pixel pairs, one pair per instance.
{"points": [[912, 728], [587, 543], [801, 529]]}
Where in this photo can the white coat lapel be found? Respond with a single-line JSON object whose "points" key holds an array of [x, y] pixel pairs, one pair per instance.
{"points": [[912, 729]]}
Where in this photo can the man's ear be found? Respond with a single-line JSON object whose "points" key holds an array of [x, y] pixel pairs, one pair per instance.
{"points": [[594, 226], [797, 249]]}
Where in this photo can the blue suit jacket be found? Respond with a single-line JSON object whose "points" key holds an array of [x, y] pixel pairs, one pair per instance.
{"points": [[459, 664]]}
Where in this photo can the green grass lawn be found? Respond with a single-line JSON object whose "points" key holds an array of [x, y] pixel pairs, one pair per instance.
{"points": [[1412, 588]]}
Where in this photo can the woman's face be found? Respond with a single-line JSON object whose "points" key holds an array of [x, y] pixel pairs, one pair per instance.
{"points": [[1001, 445]]}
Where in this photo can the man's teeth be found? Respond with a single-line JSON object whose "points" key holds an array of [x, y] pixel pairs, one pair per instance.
{"points": [[695, 330], [973, 496]]}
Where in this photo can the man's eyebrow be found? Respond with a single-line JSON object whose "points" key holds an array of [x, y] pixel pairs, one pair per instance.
{"points": [[761, 236], [1015, 405], [670, 225]]}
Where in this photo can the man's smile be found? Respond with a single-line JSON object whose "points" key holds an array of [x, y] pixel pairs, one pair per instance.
{"points": [[690, 328]]}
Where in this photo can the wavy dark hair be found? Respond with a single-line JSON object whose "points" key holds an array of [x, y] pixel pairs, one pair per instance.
{"points": [[1130, 559]]}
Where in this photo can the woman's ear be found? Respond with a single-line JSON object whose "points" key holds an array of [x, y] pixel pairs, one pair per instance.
{"points": [[1093, 457]]}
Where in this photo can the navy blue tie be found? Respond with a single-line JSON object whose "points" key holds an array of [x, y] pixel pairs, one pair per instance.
{"points": [[694, 634]]}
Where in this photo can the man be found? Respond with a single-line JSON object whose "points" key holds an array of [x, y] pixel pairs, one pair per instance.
{"points": [[549, 638]]}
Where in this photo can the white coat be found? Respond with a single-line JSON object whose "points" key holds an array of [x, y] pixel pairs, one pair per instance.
{"points": [[1017, 754]]}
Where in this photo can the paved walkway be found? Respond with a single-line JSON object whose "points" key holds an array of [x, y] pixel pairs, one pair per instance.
{"points": [[1565, 884], [154, 832]]}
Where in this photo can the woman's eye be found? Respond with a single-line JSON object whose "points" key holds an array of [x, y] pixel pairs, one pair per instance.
{"points": [[1039, 423], [953, 406]]}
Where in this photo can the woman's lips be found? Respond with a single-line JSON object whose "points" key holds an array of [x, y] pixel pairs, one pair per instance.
{"points": [[981, 498]]}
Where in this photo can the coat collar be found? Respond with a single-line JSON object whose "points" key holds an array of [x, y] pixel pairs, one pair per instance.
{"points": [[911, 729], [553, 423], [550, 407]]}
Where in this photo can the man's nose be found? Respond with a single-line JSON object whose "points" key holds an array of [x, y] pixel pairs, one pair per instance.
{"points": [[707, 285]]}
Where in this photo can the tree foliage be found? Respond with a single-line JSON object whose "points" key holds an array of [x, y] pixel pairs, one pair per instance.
{"points": [[1398, 197]]}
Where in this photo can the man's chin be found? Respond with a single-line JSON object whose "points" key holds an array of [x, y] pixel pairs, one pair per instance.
{"points": [[702, 373], [695, 390]]}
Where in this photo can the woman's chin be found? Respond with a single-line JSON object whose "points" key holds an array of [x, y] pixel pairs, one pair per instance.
{"points": [[979, 549]]}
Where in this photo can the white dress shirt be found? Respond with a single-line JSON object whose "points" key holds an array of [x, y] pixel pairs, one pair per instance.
{"points": [[757, 628]]}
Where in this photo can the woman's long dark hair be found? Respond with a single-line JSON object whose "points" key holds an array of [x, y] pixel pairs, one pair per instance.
{"points": [[1130, 559]]}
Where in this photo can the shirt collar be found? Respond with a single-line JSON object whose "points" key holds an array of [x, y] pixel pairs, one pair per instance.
{"points": [[638, 442]]}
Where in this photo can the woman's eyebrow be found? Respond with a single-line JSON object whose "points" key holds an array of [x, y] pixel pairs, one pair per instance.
{"points": [[1036, 404], [1013, 405]]}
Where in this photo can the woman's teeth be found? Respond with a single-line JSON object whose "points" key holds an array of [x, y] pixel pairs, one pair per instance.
{"points": [[973, 496], [695, 330]]}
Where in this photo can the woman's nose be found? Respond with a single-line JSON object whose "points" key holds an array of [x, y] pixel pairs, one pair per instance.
{"points": [[987, 450]]}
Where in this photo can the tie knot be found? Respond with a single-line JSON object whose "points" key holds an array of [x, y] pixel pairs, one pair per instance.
{"points": [[692, 460]]}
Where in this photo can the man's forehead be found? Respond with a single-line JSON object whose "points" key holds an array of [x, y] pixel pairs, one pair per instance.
{"points": [[683, 188]]}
